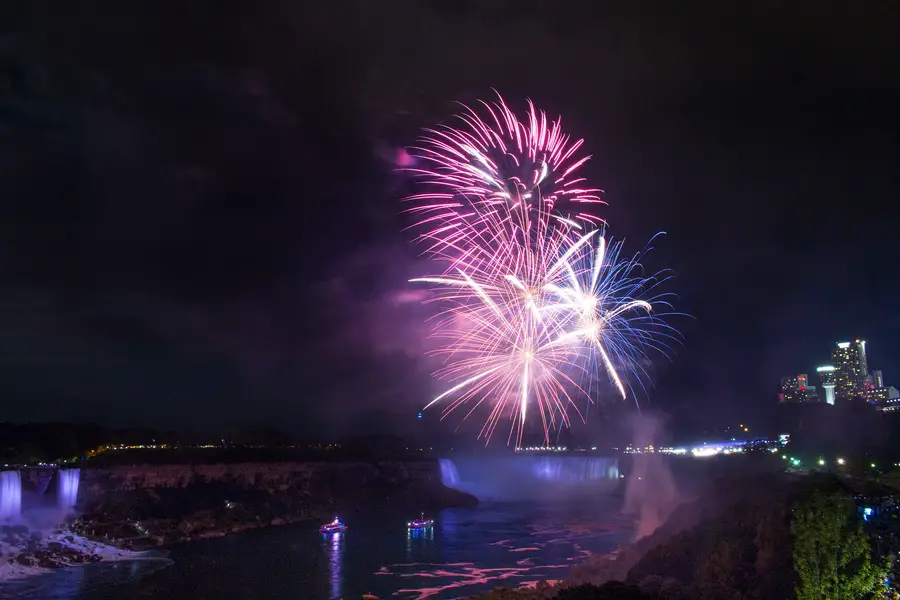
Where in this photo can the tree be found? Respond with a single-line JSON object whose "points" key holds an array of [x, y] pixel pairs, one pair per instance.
{"points": [[832, 555]]}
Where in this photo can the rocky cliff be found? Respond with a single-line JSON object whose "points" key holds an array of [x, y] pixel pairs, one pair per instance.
{"points": [[169, 503]]}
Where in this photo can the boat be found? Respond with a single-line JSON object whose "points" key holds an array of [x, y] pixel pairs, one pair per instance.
{"points": [[335, 526], [420, 523]]}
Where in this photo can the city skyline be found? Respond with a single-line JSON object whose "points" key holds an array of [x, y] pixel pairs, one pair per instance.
{"points": [[847, 378]]}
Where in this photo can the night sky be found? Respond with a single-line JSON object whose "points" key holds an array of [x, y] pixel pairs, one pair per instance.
{"points": [[201, 221]]}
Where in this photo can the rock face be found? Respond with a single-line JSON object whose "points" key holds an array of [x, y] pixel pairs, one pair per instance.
{"points": [[170, 503], [45, 550]]}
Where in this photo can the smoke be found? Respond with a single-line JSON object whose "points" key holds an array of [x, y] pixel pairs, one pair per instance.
{"points": [[650, 494]]}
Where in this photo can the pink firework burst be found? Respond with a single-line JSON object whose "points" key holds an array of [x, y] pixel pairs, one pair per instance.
{"points": [[494, 167]]}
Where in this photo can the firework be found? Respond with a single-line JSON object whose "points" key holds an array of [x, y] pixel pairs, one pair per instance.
{"points": [[496, 170], [534, 328]]}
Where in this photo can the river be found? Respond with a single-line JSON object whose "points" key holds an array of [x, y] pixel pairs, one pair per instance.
{"points": [[468, 551]]}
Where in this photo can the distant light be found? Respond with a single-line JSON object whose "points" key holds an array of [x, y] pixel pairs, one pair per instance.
{"points": [[840, 461], [825, 369], [821, 462], [873, 465], [843, 345], [419, 416]]}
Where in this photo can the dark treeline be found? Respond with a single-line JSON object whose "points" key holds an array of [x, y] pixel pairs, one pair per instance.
{"points": [[31, 443], [848, 429], [36, 442]]}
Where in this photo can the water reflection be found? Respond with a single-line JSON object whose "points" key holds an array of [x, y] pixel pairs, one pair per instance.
{"points": [[334, 550], [418, 541]]}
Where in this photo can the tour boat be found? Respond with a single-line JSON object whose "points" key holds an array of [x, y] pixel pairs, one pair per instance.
{"points": [[335, 526], [420, 523]]}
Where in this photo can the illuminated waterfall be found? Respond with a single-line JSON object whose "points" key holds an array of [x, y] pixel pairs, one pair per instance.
{"points": [[67, 487], [518, 477], [449, 474], [10, 495]]}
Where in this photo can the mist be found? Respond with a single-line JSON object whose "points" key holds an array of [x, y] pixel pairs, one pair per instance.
{"points": [[651, 493]]}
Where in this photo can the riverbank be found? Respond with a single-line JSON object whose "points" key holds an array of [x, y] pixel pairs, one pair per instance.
{"points": [[145, 506], [156, 533], [25, 552]]}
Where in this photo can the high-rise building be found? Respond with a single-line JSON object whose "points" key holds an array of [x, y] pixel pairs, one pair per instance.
{"points": [[851, 369], [793, 389], [876, 378], [826, 375], [876, 391], [885, 398]]}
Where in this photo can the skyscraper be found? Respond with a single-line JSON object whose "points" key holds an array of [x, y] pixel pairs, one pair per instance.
{"points": [[794, 389], [851, 369], [826, 374], [876, 378]]}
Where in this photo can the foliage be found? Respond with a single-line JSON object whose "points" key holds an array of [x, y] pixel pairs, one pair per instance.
{"points": [[832, 556], [739, 550], [613, 590], [543, 591]]}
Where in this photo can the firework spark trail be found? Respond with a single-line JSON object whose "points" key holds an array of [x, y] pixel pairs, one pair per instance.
{"points": [[531, 308], [613, 308]]}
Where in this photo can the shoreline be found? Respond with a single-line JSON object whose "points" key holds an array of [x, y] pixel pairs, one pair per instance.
{"points": [[26, 553]]}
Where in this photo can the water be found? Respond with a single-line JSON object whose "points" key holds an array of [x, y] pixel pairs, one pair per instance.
{"points": [[468, 551], [67, 490], [449, 474], [535, 478], [10, 495]]}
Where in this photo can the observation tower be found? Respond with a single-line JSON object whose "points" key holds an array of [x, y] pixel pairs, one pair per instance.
{"points": [[826, 374]]}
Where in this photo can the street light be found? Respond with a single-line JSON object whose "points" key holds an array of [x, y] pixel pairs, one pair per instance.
{"points": [[840, 461]]}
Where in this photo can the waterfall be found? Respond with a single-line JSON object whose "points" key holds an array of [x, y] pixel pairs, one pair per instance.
{"points": [[67, 487], [572, 469], [520, 477], [449, 474], [10, 494]]}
